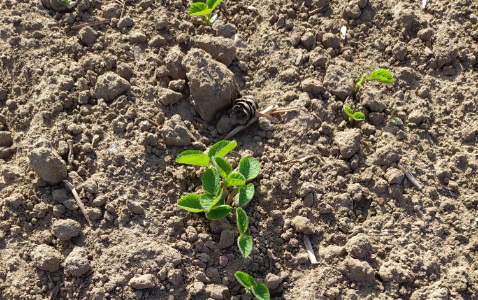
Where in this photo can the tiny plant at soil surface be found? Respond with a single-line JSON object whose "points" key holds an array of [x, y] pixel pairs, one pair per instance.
{"points": [[379, 75], [357, 116], [392, 115], [68, 3], [259, 290], [213, 201], [205, 10]]}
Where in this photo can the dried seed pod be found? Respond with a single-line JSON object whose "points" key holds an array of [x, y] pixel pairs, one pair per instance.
{"points": [[243, 109]]}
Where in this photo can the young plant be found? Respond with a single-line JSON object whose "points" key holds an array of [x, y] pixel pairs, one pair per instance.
{"points": [[357, 116], [213, 201], [259, 290], [68, 3], [379, 75], [392, 115], [205, 10]]}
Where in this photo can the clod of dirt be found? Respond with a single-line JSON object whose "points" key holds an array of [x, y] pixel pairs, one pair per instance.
{"points": [[224, 125], [348, 142], [338, 82], [173, 62], [359, 246], [110, 85], [308, 40], [352, 11], [124, 70], [319, 58], [125, 23], [357, 270], [5, 139], [272, 281], [175, 276], [224, 29], [167, 96], [111, 10], [196, 288], [395, 272], [425, 34], [88, 35], [77, 263], [47, 163], [161, 22], [221, 49], [394, 176], [211, 84], [66, 229], [46, 258], [142, 282], [54, 5], [227, 239], [331, 252], [175, 132], [303, 224], [369, 102], [15, 200], [135, 207], [312, 85], [385, 155], [217, 291], [330, 40]]}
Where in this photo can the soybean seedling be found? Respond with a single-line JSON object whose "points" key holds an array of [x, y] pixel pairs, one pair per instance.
{"points": [[259, 290], [357, 116], [213, 201], [379, 75], [68, 3], [392, 115], [205, 10]]}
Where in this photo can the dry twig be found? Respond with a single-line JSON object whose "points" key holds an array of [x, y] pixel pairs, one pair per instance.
{"points": [[94, 23], [410, 177], [310, 250], [78, 200], [301, 159]]}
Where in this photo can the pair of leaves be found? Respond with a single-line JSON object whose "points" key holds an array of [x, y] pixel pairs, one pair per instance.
{"points": [[259, 290], [201, 9], [358, 116], [382, 76], [197, 158], [196, 203], [244, 241]]}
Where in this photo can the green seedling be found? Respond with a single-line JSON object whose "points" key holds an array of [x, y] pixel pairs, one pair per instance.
{"points": [[68, 3], [259, 290], [205, 10], [220, 181], [357, 116], [476, 27], [379, 75], [392, 115]]}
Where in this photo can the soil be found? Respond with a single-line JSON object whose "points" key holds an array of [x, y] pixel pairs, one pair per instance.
{"points": [[109, 106]]}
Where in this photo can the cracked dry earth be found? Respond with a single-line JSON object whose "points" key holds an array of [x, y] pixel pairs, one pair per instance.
{"points": [[109, 106]]}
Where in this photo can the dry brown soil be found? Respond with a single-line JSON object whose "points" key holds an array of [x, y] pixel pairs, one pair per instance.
{"points": [[109, 107]]}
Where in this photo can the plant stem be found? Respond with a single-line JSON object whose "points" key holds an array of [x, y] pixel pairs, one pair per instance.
{"points": [[231, 196]]}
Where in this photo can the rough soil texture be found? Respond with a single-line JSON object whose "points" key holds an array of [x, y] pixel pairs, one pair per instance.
{"points": [[109, 107]]}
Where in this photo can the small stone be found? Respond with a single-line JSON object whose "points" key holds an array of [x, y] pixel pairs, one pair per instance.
{"points": [[5, 139], [47, 163], [157, 41], [70, 204], [161, 22], [88, 35], [66, 229], [330, 40], [137, 37], [272, 281], [308, 40], [352, 11], [227, 239], [125, 22], [77, 263], [110, 85], [394, 176], [309, 200], [125, 70], [142, 282], [303, 224], [223, 260], [135, 207], [46, 258], [111, 10], [196, 288], [449, 70]]}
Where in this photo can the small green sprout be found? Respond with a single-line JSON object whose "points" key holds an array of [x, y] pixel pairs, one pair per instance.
{"points": [[392, 115], [357, 116], [68, 3], [379, 75], [213, 201], [205, 10], [259, 290], [475, 28]]}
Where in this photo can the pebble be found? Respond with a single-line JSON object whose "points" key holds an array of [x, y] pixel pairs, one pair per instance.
{"points": [[66, 229], [46, 258]]}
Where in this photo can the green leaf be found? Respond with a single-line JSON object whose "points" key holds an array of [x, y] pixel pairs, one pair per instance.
{"points": [[193, 157], [218, 212], [261, 292], [348, 111], [211, 182], [224, 167], [245, 245], [249, 168], [241, 218], [199, 9], [245, 279], [190, 203], [216, 3], [358, 116], [207, 200], [235, 179], [221, 148], [382, 76], [245, 194]]}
